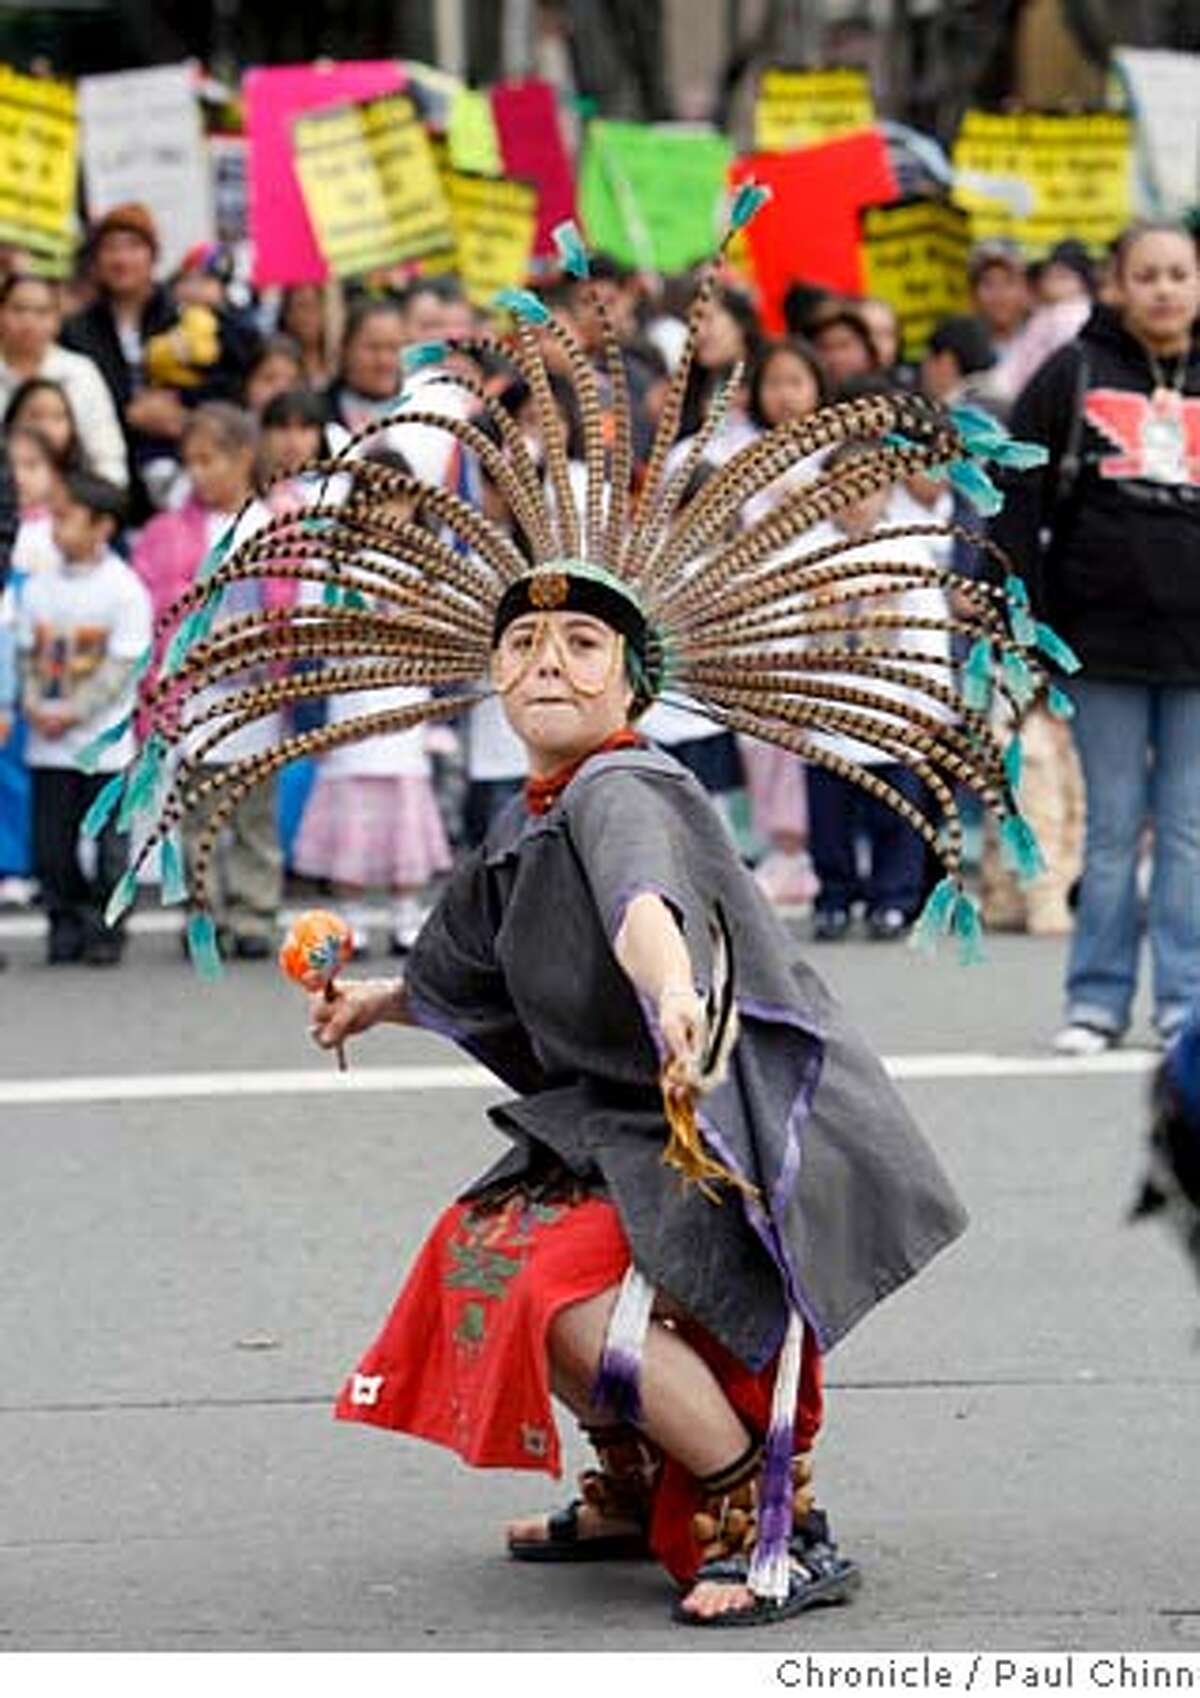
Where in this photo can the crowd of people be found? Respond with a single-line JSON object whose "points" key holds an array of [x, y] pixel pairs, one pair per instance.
{"points": [[141, 414]]}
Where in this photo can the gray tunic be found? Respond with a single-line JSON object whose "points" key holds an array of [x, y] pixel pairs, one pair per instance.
{"points": [[516, 964]]}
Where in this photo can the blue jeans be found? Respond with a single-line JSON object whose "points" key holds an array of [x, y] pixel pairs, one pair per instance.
{"points": [[1139, 745], [838, 813]]}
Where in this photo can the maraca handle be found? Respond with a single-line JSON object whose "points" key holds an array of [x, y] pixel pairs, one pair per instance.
{"points": [[340, 1049]]}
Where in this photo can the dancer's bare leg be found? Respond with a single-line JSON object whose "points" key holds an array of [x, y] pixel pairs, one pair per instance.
{"points": [[684, 1411]]}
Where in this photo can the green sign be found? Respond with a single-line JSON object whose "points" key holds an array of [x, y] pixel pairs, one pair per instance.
{"points": [[653, 195]]}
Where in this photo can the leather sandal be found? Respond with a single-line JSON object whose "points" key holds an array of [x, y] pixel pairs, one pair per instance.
{"points": [[620, 1489]]}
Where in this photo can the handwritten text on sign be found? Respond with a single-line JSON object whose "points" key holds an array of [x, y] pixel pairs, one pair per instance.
{"points": [[915, 259], [797, 107], [371, 185], [38, 148], [1077, 165]]}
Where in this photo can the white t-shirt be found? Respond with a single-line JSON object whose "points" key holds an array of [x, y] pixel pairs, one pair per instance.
{"points": [[71, 619], [918, 603]]}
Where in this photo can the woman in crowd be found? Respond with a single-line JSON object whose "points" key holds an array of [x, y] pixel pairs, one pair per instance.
{"points": [[277, 367], [844, 343], [29, 325], [1120, 501], [369, 377], [728, 332], [310, 314]]}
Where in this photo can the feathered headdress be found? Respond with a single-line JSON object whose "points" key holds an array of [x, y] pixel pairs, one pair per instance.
{"points": [[759, 633]]}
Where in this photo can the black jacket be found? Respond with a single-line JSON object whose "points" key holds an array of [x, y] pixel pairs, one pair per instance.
{"points": [[1108, 536], [93, 331]]}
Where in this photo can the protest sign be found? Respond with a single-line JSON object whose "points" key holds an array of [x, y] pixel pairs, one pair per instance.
{"points": [[1077, 166], [471, 134], [808, 231], [142, 140], [652, 194], [532, 151], [794, 108], [38, 151], [285, 245], [495, 222], [371, 184], [1163, 90], [915, 259]]}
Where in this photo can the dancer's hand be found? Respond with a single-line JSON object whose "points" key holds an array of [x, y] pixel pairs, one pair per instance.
{"points": [[681, 1021], [354, 1006]]}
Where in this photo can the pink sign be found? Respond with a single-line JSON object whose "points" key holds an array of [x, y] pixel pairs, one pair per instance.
{"points": [[285, 246], [808, 231], [532, 149]]}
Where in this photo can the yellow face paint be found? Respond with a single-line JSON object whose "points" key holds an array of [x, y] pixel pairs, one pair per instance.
{"points": [[588, 653]]}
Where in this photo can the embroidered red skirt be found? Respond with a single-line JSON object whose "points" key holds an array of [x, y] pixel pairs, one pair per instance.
{"points": [[462, 1359]]}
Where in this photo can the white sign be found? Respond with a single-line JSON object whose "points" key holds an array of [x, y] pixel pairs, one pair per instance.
{"points": [[142, 140], [1164, 90]]}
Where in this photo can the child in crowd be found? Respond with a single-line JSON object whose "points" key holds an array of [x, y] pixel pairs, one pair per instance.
{"points": [[82, 627], [37, 472], [219, 445], [292, 434], [41, 404], [787, 383], [843, 818], [372, 821]]}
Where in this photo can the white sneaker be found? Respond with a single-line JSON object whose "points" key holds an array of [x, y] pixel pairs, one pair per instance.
{"points": [[1078, 1039]]}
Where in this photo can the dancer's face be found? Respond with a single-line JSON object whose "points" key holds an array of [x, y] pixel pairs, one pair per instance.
{"points": [[561, 677]]}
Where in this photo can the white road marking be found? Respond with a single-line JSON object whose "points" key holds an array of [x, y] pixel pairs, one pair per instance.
{"points": [[409, 1081]]}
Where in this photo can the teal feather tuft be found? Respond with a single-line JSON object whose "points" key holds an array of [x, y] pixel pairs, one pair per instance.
{"points": [[1059, 703], [331, 595], [1019, 678], [968, 929], [1019, 617], [422, 354], [103, 806], [174, 882], [357, 600], [142, 786], [142, 664], [1053, 646], [1014, 761], [179, 645], [202, 946], [935, 918], [1020, 456], [571, 251], [217, 554], [1019, 849], [897, 439], [524, 304], [89, 757], [123, 897], [748, 202], [977, 676], [973, 483]]}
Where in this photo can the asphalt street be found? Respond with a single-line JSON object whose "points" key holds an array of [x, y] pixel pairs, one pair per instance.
{"points": [[191, 1269]]}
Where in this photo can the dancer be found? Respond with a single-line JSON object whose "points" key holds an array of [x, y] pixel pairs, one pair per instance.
{"points": [[711, 1178]]}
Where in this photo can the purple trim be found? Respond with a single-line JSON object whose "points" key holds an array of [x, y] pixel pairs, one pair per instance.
{"points": [[775, 1493], [618, 1384]]}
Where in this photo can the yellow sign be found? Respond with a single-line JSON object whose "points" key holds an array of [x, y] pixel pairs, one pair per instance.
{"points": [[474, 144], [915, 259], [495, 222], [371, 184], [1038, 178], [38, 153], [797, 107]]}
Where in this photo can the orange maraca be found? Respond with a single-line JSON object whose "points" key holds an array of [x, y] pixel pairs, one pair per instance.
{"points": [[317, 946]]}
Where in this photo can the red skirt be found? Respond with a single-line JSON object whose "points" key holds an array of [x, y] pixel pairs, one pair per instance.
{"points": [[462, 1358]]}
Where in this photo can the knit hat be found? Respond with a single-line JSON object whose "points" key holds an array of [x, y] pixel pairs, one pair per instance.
{"points": [[131, 217]]}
